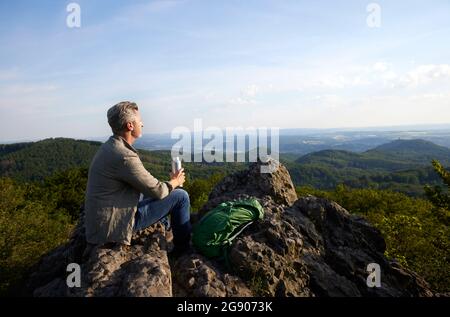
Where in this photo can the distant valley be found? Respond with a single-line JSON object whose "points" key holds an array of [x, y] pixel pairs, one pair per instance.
{"points": [[304, 141]]}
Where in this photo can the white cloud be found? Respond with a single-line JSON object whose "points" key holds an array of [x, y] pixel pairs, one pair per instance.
{"points": [[425, 74], [380, 75], [330, 101], [380, 67], [347, 95], [241, 101], [250, 91], [430, 97], [246, 96], [332, 82]]}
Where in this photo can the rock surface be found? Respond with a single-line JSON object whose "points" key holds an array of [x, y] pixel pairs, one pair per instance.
{"points": [[303, 247]]}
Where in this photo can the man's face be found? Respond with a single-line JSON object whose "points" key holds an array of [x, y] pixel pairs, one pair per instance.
{"points": [[137, 124]]}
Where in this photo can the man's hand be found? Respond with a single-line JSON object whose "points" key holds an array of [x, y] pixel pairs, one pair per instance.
{"points": [[177, 179]]}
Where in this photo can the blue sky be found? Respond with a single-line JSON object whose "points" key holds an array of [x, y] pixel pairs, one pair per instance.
{"points": [[261, 63]]}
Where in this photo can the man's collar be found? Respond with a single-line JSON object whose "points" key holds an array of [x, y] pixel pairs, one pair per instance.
{"points": [[128, 145]]}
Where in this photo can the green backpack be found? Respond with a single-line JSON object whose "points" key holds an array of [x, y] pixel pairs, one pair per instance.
{"points": [[214, 233]]}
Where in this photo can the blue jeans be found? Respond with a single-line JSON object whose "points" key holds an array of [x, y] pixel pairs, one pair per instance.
{"points": [[176, 204]]}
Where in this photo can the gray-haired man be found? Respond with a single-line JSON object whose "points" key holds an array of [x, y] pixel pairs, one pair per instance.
{"points": [[116, 179]]}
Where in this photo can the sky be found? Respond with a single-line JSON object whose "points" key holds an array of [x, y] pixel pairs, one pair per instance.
{"points": [[230, 63]]}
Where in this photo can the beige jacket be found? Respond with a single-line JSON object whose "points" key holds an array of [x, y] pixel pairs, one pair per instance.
{"points": [[116, 178]]}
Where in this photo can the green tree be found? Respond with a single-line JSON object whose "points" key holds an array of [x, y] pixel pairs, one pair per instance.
{"points": [[414, 233], [28, 229], [200, 188], [439, 196]]}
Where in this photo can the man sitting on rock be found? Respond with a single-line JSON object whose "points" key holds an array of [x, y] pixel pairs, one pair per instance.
{"points": [[116, 179]]}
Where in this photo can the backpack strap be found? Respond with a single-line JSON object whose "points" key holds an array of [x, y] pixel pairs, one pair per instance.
{"points": [[239, 231], [225, 248]]}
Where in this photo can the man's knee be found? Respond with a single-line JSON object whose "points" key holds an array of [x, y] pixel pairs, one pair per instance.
{"points": [[181, 194]]}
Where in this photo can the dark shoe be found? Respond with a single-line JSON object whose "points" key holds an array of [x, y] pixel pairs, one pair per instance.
{"points": [[179, 251]]}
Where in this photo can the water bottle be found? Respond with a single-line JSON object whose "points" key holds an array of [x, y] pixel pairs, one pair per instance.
{"points": [[176, 165]]}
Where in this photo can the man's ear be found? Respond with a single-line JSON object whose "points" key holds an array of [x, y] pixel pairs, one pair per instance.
{"points": [[130, 126]]}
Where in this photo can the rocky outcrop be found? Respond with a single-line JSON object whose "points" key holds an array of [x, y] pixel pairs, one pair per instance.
{"points": [[303, 247], [252, 182], [141, 269]]}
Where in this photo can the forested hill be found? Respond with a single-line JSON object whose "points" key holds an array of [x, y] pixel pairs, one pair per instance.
{"points": [[413, 151], [393, 156], [401, 165], [36, 160]]}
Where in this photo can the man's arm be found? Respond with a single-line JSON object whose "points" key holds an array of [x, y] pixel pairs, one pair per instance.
{"points": [[134, 173]]}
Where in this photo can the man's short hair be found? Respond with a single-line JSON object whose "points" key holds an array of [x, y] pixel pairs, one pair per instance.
{"points": [[120, 114]]}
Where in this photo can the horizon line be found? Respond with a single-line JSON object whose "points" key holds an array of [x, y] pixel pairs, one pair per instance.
{"points": [[425, 126]]}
